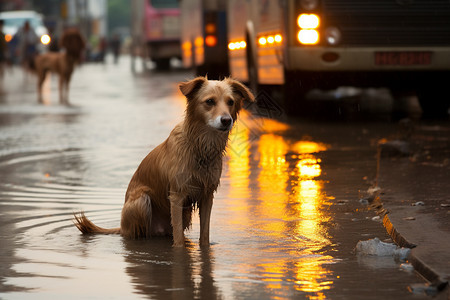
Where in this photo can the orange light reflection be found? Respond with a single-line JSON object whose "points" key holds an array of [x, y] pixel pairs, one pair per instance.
{"points": [[290, 204], [239, 172]]}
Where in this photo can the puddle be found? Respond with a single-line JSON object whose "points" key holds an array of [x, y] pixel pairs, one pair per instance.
{"points": [[282, 223]]}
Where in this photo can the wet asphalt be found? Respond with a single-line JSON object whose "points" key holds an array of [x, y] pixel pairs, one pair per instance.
{"points": [[285, 221]]}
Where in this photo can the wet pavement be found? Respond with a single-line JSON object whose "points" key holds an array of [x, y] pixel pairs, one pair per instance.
{"points": [[285, 221], [415, 192]]}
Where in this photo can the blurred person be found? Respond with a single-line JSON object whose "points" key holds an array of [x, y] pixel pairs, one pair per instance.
{"points": [[28, 41], [115, 47], [3, 49], [93, 48], [54, 42], [102, 47]]}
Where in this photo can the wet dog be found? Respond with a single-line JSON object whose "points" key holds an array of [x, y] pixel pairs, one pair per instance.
{"points": [[61, 63], [183, 172]]}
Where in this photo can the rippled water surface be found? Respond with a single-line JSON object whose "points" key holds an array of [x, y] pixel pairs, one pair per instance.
{"points": [[285, 220]]}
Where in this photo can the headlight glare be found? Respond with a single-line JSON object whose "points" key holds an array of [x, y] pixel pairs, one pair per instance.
{"points": [[45, 39], [308, 21], [332, 36], [308, 36]]}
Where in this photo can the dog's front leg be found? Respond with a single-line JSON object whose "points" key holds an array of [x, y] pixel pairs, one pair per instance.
{"points": [[205, 215], [61, 89], [176, 215], [41, 79]]}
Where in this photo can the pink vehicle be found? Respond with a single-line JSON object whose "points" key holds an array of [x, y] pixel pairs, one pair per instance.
{"points": [[161, 31]]}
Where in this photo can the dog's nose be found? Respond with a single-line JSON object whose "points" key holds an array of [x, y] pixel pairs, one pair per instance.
{"points": [[226, 121]]}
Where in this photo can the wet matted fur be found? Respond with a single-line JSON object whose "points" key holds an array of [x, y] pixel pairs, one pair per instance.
{"points": [[61, 63], [184, 171]]}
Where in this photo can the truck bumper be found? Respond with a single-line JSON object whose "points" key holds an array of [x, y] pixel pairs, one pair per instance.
{"points": [[164, 49], [367, 59]]}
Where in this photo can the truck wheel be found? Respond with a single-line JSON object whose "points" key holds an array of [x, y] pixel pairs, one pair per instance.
{"points": [[294, 93], [162, 64], [434, 102], [252, 67]]}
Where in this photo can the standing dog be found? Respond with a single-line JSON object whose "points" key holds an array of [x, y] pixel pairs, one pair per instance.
{"points": [[62, 63], [184, 171]]}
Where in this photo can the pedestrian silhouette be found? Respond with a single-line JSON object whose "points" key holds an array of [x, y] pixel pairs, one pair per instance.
{"points": [[3, 47], [28, 40], [115, 47]]}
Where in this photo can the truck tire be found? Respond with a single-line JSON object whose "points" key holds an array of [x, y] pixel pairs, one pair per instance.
{"points": [[162, 64], [295, 90], [435, 102], [252, 63]]}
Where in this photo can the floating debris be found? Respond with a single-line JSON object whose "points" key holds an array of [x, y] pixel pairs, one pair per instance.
{"points": [[376, 218], [406, 267], [420, 288], [364, 201], [342, 202], [418, 203], [394, 148], [373, 190], [378, 248], [409, 218], [370, 195]]}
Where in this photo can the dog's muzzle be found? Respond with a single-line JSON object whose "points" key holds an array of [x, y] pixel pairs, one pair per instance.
{"points": [[222, 123]]}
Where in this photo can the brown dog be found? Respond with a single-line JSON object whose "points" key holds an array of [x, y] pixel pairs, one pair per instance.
{"points": [[184, 171], [62, 63]]}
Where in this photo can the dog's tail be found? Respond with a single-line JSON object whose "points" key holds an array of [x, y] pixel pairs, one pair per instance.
{"points": [[87, 227]]}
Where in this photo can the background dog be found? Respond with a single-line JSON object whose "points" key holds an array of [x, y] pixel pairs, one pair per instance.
{"points": [[183, 172], [62, 63]]}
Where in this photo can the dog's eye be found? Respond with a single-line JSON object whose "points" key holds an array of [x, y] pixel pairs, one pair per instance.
{"points": [[210, 102], [230, 102]]}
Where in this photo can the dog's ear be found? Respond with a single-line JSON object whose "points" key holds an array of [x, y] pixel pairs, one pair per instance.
{"points": [[189, 88], [241, 90]]}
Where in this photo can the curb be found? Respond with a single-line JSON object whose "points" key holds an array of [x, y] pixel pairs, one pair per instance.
{"points": [[419, 265]]}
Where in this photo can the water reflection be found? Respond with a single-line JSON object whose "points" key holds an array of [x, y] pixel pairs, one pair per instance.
{"points": [[157, 270], [290, 210]]}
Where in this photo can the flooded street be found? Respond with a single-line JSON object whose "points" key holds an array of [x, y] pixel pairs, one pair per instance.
{"points": [[284, 225]]}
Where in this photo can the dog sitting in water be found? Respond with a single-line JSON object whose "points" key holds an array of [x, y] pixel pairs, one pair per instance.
{"points": [[61, 63], [184, 171]]}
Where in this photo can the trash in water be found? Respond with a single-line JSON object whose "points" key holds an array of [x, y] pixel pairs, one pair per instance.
{"points": [[409, 218], [376, 218], [373, 190], [367, 197], [394, 148], [364, 201], [418, 203], [407, 267], [342, 202], [419, 288], [378, 248]]}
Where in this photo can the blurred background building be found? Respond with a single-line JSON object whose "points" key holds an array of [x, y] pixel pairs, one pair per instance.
{"points": [[91, 16]]}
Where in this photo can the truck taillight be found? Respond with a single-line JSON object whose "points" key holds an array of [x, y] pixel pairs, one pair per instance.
{"points": [[211, 40], [211, 35], [210, 29], [237, 45], [270, 40]]}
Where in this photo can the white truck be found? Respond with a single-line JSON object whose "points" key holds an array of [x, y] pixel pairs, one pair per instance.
{"points": [[305, 44], [156, 30]]}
